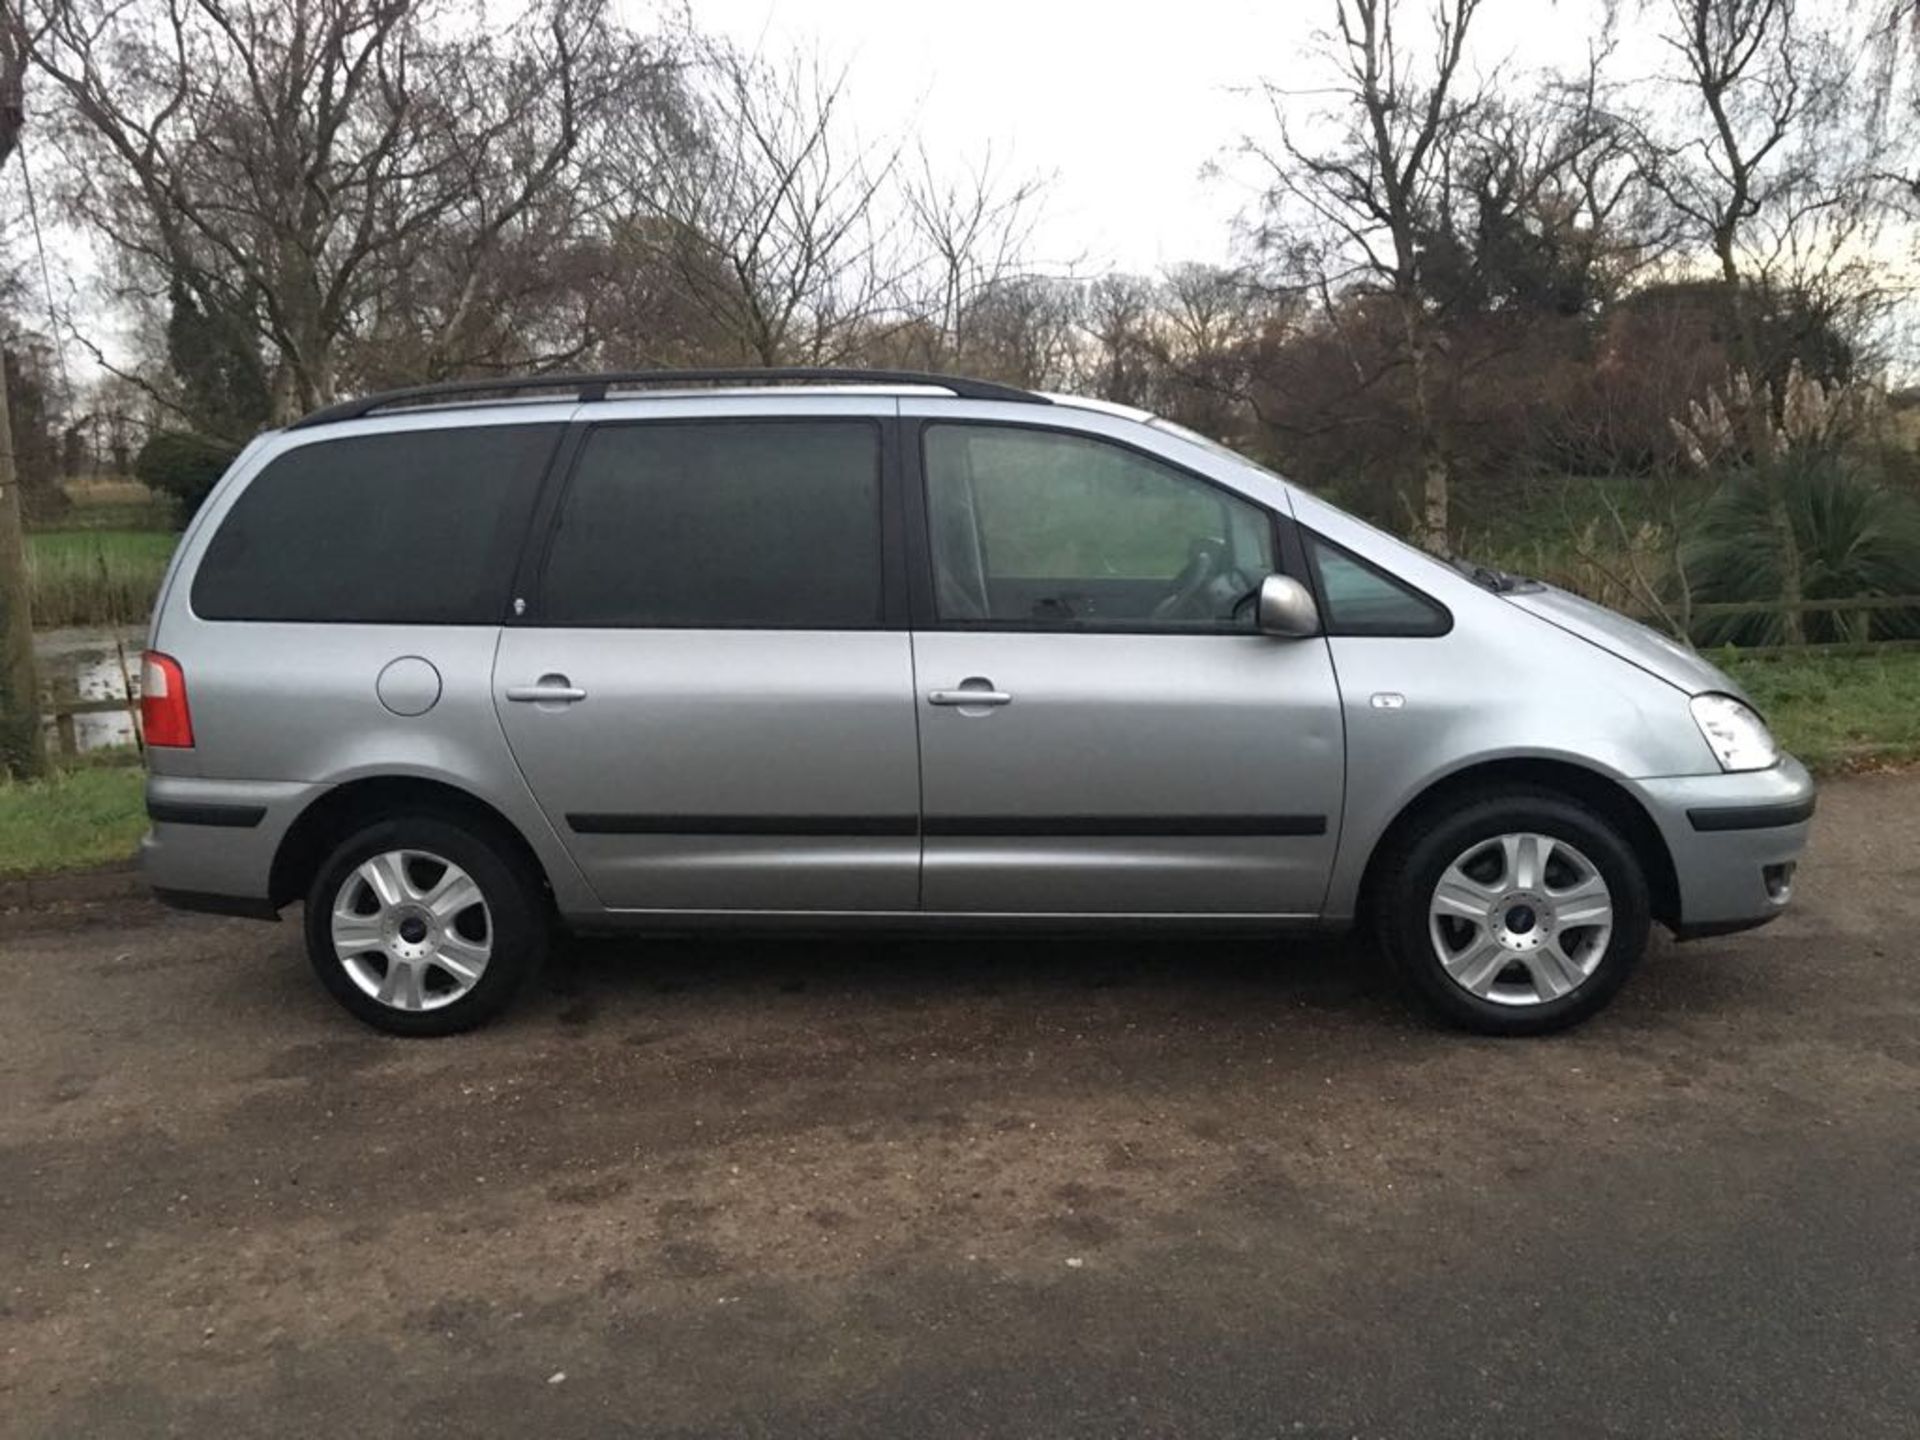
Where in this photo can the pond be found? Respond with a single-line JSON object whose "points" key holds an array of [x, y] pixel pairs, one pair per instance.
{"points": [[87, 664]]}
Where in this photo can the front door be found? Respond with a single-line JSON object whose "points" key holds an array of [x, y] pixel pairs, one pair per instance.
{"points": [[705, 698], [1101, 729]]}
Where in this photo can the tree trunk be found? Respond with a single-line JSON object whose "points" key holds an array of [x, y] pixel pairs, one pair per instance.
{"points": [[1793, 630], [22, 747], [1435, 471], [1435, 501], [1760, 442]]}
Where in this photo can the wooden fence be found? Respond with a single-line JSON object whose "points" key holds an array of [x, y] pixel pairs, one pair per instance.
{"points": [[62, 706], [1863, 606], [66, 731]]}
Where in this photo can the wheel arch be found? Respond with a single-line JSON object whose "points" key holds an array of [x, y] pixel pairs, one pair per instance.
{"points": [[1601, 793], [344, 808]]}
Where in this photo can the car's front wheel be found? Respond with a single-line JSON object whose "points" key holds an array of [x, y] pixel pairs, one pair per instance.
{"points": [[1516, 914], [421, 926]]}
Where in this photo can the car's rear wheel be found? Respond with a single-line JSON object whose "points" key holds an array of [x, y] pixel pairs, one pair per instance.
{"points": [[422, 926], [1516, 914]]}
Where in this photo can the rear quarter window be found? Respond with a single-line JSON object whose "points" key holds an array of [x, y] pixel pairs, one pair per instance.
{"points": [[413, 527]]}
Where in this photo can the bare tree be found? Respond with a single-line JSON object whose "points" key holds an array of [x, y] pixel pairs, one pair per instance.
{"points": [[976, 231], [1212, 321], [22, 748], [1183, 343], [1211, 309], [14, 46], [1350, 211], [770, 222], [1025, 330], [1548, 202], [1758, 171], [1740, 64], [1119, 316], [291, 169]]}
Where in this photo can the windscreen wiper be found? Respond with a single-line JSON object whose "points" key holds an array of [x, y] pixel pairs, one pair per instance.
{"points": [[1498, 581]]}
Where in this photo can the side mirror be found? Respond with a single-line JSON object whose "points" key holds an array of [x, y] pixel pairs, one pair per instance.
{"points": [[1285, 608]]}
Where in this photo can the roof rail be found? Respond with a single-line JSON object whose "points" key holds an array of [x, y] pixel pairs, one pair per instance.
{"points": [[596, 387]]}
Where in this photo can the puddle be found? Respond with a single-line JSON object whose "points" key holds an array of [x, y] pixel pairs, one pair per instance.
{"points": [[85, 665]]}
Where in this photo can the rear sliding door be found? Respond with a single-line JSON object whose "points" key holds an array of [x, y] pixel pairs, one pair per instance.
{"points": [[705, 695]]}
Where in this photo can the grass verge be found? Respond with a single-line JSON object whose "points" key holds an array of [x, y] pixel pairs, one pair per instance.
{"points": [[120, 514], [95, 577], [92, 815], [1837, 712]]}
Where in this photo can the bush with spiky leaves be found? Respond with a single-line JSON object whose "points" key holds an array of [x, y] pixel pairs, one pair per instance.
{"points": [[1855, 537], [1851, 535]]}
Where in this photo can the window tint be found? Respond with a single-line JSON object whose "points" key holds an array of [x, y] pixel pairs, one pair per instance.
{"points": [[419, 527], [1361, 600], [723, 525], [1033, 527]]}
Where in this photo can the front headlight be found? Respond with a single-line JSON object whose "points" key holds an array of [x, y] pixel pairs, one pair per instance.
{"points": [[1738, 737]]}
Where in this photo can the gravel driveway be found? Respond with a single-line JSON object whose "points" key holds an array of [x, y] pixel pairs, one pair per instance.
{"points": [[969, 1188]]}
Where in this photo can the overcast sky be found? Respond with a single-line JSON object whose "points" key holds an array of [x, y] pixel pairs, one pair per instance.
{"points": [[1126, 104]]}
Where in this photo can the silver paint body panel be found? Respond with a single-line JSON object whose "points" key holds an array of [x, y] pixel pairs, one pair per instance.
{"points": [[1192, 728], [816, 725]]}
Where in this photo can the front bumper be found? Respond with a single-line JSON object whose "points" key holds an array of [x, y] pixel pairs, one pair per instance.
{"points": [[1734, 840]]}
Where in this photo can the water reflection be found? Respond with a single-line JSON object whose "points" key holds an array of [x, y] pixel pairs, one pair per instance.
{"points": [[84, 664]]}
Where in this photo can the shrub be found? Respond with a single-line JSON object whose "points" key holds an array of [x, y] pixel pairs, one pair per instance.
{"points": [[184, 465], [1854, 537]]}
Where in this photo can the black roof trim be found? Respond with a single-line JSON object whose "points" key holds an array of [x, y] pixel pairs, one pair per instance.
{"points": [[597, 386]]}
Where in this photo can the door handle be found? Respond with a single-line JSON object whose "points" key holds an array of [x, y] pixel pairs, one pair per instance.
{"points": [[969, 697], [551, 690]]}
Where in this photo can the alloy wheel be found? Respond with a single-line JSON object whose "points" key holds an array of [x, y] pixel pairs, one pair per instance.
{"points": [[412, 929], [1520, 919]]}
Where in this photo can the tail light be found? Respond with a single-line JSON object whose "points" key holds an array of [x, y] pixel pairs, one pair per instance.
{"points": [[164, 717]]}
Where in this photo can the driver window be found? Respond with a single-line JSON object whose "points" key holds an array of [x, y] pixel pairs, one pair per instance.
{"points": [[1033, 527]]}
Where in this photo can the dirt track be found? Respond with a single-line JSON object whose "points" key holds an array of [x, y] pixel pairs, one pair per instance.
{"points": [[889, 1189]]}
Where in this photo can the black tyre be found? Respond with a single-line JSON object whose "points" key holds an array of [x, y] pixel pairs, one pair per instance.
{"points": [[424, 925], [1515, 914]]}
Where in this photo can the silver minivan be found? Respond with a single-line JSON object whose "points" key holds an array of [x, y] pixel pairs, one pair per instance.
{"points": [[832, 649]]}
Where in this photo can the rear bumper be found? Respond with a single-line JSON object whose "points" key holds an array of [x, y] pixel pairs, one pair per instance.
{"points": [[1734, 840], [211, 843]]}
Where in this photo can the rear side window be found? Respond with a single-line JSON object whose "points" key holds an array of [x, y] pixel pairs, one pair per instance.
{"points": [[1361, 599], [721, 525], [419, 527]]}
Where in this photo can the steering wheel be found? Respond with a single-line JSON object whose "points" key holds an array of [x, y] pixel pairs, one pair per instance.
{"points": [[1187, 596]]}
